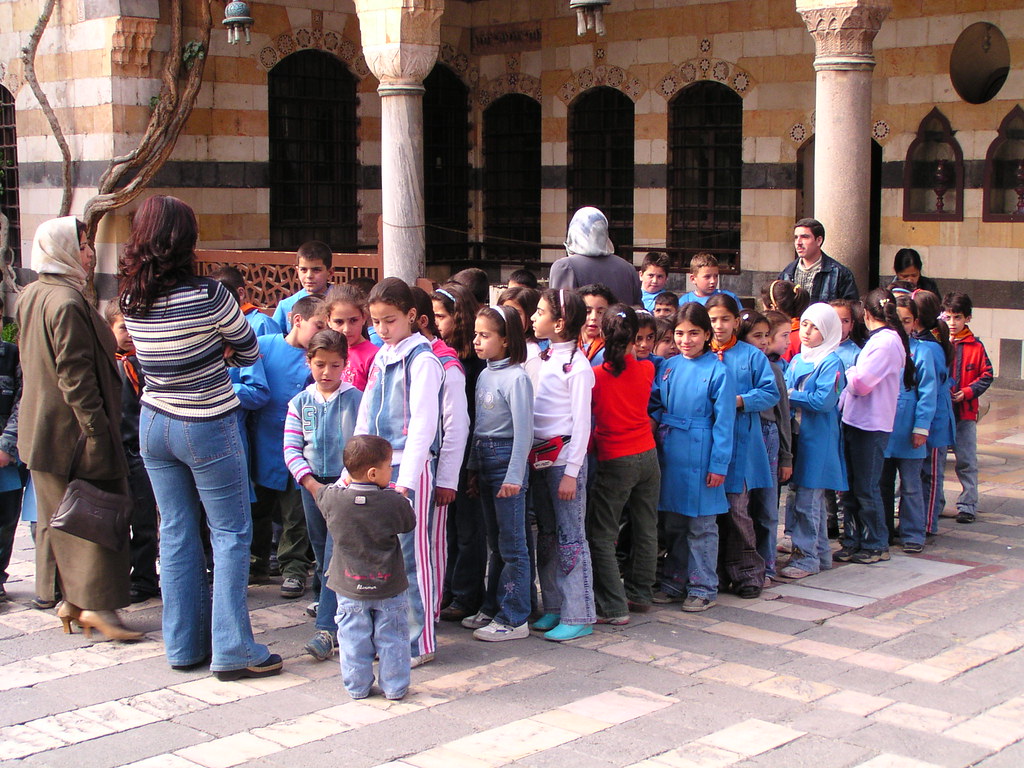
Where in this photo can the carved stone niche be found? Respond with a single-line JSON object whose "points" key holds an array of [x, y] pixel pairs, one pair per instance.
{"points": [[131, 46], [1004, 171], [933, 174]]}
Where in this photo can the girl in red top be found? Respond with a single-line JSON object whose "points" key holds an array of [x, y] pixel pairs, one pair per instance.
{"points": [[628, 476]]}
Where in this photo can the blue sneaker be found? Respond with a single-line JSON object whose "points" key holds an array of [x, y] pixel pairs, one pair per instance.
{"points": [[546, 622], [564, 632], [321, 646]]}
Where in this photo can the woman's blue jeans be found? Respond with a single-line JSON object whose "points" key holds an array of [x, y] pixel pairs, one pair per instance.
{"points": [[323, 547], [508, 574], [196, 466]]}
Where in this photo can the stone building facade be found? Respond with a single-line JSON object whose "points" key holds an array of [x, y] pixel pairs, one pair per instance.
{"points": [[523, 120]]}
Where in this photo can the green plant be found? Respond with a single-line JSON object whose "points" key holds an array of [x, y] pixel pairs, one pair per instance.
{"points": [[192, 51], [10, 332]]}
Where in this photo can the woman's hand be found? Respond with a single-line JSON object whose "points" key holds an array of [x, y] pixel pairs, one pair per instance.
{"points": [[229, 351], [508, 490], [713, 480], [567, 488]]}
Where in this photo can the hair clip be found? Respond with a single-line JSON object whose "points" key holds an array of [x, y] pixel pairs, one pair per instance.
{"points": [[443, 292], [902, 291], [883, 301], [620, 314], [561, 301]]}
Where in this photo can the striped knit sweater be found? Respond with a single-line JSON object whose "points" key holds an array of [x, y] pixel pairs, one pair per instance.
{"points": [[180, 343]]}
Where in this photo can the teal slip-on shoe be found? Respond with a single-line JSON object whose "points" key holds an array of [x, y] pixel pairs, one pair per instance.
{"points": [[546, 622], [564, 632]]}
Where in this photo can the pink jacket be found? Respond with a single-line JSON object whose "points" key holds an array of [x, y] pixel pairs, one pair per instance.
{"points": [[873, 384]]}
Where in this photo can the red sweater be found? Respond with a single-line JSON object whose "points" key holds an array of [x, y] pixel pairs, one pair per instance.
{"points": [[972, 373], [621, 424]]}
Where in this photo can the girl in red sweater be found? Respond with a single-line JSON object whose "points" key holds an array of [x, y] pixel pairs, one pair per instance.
{"points": [[628, 478]]}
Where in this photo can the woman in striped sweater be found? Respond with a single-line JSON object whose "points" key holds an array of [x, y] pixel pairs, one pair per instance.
{"points": [[187, 329]]}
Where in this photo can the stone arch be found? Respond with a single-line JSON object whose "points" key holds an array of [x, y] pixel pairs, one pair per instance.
{"points": [[601, 75], [513, 80], [705, 68], [460, 63], [318, 39]]}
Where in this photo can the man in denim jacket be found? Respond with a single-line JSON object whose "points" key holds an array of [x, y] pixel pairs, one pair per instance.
{"points": [[820, 275]]}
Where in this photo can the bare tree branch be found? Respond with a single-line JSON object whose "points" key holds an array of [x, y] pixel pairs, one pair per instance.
{"points": [[28, 56]]}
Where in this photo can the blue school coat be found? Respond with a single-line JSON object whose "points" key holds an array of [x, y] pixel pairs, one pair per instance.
{"points": [[754, 381], [820, 462], [287, 372], [943, 430], [694, 403], [262, 324], [915, 408], [848, 351], [253, 392]]}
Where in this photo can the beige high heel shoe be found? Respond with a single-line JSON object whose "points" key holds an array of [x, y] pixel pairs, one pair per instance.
{"points": [[108, 623], [68, 613]]}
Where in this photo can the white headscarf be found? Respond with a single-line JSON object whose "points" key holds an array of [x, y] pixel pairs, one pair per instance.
{"points": [[826, 320], [588, 234], [55, 251]]}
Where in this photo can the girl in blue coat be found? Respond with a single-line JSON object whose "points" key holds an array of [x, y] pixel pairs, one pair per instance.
{"points": [[756, 391], [907, 448], [693, 401], [933, 334], [815, 378]]}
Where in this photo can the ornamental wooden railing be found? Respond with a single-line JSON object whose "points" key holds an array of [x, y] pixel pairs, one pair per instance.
{"points": [[271, 275]]}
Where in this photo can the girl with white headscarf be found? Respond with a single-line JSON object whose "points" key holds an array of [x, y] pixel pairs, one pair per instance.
{"points": [[815, 378], [72, 388]]}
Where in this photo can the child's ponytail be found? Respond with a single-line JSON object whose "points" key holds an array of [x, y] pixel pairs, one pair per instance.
{"points": [[881, 305], [929, 312], [620, 327]]}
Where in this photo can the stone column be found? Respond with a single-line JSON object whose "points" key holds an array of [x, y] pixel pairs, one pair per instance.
{"points": [[400, 44], [843, 32]]}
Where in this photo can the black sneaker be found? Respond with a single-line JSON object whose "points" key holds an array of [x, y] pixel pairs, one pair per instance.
{"points": [[3, 594], [913, 548], [272, 666], [664, 598], [966, 517], [869, 556], [843, 554]]}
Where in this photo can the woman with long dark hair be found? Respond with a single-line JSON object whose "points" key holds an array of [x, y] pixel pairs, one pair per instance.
{"points": [[186, 330], [70, 425]]}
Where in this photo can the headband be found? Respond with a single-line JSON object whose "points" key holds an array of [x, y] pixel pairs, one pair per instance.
{"points": [[443, 292]]}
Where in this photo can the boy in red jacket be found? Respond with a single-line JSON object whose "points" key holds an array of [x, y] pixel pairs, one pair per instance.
{"points": [[972, 375]]}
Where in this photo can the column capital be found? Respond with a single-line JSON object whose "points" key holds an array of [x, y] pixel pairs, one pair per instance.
{"points": [[400, 39], [843, 31]]}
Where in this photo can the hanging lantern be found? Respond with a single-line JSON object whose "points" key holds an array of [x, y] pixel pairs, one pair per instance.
{"points": [[236, 19], [589, 15]]}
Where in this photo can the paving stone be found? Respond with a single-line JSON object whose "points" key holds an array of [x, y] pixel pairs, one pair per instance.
{"points": [[157, 739], [928, 747], [230, 718], [809, 750]]}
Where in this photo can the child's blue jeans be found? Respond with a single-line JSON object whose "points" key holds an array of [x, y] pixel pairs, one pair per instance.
{"points": [[691, 567], [912, 512], [811, 550], [966, 450], [563, 555], [374, 627], [508, 574], [323, 546], [863, 518]]}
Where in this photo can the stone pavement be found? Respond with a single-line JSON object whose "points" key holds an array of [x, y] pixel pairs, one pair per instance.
{"points": [[912, 663]]}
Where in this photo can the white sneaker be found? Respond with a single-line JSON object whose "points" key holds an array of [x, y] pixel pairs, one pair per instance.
{"points": [[477, 621], [496, 632]]}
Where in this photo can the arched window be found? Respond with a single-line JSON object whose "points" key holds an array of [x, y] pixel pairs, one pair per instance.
{"points": [[314, 174], [9, 173], [601, 160], [1004, 171], [705, 165], [446, 165], [933, 175], [512, 177]]}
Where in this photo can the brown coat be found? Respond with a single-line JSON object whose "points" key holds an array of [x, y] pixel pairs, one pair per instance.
{"points": [[71, 387]]}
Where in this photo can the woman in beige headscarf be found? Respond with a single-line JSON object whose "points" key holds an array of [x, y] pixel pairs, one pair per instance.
{"points": [[71, 388]]}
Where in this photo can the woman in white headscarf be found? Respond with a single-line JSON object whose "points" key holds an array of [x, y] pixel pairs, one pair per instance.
{"points": [[590, 258], [71, 389], [815, 379]]}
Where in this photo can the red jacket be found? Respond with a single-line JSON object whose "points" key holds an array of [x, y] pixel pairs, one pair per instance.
{"points": [[972, 374]]}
